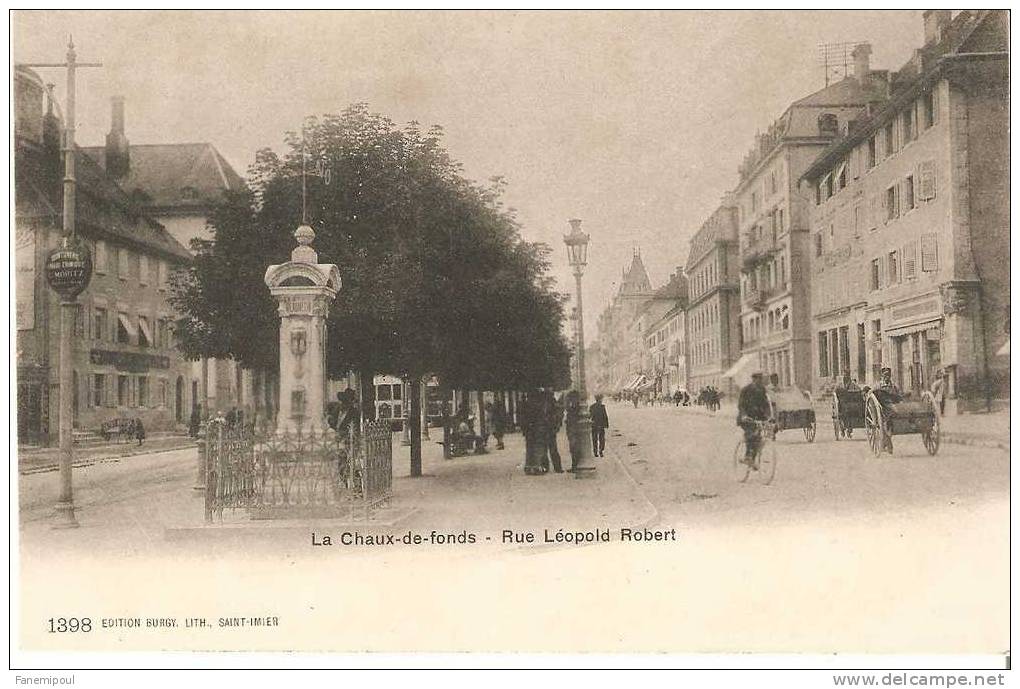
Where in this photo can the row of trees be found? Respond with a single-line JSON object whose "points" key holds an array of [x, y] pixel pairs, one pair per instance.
{"points": [[436, 276]]}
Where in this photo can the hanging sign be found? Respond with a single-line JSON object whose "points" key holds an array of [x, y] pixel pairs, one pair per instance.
{"points": [[69, 269]]}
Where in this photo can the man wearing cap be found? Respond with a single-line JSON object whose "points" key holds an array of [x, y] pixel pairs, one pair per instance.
{"points": [[753, 406], [887, 393]]}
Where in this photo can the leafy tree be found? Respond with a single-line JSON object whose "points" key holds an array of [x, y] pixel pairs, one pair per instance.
{"points": [[436, 276]]}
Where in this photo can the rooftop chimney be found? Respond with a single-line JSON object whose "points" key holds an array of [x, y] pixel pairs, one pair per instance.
{"points": [[862, 61], [935, 23], [118, 151]]}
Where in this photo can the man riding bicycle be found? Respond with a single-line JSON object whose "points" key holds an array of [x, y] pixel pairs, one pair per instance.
{"points": [[753, 407]]}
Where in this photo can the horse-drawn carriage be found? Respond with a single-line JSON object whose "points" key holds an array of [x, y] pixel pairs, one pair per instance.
{"points": [[886, 415], [847, 412], [792, 409]]}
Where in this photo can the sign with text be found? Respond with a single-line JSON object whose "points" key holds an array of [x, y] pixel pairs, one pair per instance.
{"points": [[69, 269]]}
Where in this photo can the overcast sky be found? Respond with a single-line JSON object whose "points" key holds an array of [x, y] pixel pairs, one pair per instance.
{"points": [[634, 122]]}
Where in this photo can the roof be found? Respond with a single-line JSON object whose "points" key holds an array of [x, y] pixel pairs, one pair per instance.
{"points": [[635, 278], [175, 176], [104, 209], [908, 81], [721, 226]]}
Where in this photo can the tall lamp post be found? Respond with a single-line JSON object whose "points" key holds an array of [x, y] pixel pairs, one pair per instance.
{"points": [[68, 272], [577, 253]]}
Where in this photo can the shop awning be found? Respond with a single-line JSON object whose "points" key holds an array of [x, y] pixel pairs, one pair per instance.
{"points": [[894, 331], [126, 324], [635, 383], [741, 371], [645, 384], [143, 325]]}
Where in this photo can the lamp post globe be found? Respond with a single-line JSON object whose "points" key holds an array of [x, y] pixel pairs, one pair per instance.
{"points": [[577, 254]]}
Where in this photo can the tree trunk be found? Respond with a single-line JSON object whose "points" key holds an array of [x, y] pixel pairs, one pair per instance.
{"points": [[482, 429], [366, 378], [414, 419]]}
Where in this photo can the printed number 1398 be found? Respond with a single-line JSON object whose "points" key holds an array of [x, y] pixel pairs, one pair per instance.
{"points": [[60, 625]]}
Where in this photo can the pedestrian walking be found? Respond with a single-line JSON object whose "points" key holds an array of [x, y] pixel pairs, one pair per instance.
{"points": [[195, 422], [572, 423], [532, 422], [139, 430], [553, 410], [938, 390], [599, 424]]}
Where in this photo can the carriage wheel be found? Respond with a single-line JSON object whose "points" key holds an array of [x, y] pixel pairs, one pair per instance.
{"points": [[739, 468], [809, 431], [874, 426], [767, 462], [932, 437]]}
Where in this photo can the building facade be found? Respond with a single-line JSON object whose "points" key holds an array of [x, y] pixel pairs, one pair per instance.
{"points": [[910, 225], [664, 328], [180, 185], [713, 315], [619, 341], [125, 361], [773, 220]]}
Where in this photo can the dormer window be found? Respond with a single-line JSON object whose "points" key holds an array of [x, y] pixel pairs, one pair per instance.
{"points": [[828, 124]]}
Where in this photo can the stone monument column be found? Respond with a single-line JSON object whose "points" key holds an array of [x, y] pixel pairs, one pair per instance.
{"points": [[304, 289]]}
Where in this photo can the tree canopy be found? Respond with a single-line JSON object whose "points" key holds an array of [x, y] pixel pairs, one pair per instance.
{"points": [[436, 276]]}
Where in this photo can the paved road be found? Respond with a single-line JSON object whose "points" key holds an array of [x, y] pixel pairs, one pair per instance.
{"points": [[681, 458]]}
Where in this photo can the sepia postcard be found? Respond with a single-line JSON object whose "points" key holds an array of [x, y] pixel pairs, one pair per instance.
{"points": [[566, 334]]}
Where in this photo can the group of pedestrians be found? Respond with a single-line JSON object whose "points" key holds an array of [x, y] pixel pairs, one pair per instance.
{"points": [[542, 415]]}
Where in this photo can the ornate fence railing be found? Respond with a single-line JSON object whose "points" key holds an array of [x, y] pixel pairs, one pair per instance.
{"points": [[315, 474]]}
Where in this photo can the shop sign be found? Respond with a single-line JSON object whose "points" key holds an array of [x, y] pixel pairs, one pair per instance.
{"points": [[133, 362], [69, 269]]}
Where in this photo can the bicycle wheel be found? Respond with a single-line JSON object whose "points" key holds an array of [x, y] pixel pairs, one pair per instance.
{"points": [[766, 461], [932, 436], [739, 468]]}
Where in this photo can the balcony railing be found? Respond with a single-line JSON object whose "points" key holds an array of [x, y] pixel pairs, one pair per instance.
{"points": [[756, 251], [756, 298]]}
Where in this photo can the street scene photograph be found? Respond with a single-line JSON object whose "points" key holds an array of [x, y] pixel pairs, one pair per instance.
{"points": [[511, 332]]}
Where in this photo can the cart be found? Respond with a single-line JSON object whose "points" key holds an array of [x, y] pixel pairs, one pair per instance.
{"points": [[792, 409], [884, 417], [847, 412]]}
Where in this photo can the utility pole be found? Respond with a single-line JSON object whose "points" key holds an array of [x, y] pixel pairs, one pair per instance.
{"points": [[68, 271]]}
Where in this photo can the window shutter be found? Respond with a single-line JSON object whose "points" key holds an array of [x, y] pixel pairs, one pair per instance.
{"points": [[110, 396], [935, 103], [910, 260], [929, 253], [926, 180]]}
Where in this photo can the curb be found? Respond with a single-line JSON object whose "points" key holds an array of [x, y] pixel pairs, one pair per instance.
{"points": [[953, 439], [81, 464]]}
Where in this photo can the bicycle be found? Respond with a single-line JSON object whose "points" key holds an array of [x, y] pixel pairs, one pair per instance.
{"points": [[764, 462]]}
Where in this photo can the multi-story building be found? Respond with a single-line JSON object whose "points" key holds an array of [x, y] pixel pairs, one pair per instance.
{"points": [[713, 315], [179, 185], [910, 224], [618, 341], [773, 223], [664, 327], [125, 361]]}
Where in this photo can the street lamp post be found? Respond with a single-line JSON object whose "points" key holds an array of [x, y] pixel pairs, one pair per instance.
{"points": [[577, 253], [68, 271]]}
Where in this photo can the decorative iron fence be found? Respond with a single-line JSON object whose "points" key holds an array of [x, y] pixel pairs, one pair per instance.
{"points": [[315, 474]]}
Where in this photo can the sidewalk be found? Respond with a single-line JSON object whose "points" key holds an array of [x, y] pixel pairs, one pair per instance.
{"points": [[482, 495], [35, 460], [990, 429]]}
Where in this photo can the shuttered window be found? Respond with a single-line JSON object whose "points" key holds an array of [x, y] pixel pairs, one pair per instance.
{"points": [[910, 260], [926, 188], [929, 253]]}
